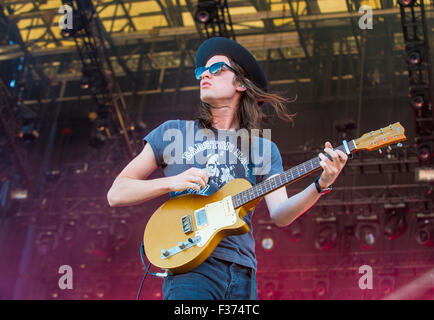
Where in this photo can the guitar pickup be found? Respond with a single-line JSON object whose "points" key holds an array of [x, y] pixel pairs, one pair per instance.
{"points": [[187, 224]]}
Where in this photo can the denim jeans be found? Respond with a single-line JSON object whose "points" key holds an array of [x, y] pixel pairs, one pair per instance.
{"points": [[214, 279]]}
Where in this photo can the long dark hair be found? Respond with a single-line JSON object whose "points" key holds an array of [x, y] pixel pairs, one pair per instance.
{"points": [[250, 111]]}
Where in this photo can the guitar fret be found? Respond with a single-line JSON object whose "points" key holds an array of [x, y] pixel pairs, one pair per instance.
{"points": [[283, 179]]}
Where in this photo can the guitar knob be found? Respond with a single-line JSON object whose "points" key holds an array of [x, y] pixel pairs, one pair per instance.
{"points": [[164, 252]]}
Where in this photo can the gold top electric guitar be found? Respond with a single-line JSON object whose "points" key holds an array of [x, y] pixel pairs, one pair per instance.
{"points": [[184, 231]]}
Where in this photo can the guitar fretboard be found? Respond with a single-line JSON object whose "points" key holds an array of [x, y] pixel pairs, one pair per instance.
{"points": [[278, 181]]}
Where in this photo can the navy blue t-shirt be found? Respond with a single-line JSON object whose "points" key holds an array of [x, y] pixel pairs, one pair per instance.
{"points": [[225, 154]]}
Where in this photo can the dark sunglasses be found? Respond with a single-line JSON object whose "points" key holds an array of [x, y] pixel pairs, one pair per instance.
{"points": [[213, 69]]}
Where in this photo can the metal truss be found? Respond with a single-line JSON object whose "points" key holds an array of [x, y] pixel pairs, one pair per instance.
{"points": [[174, 45], [99, 73], [418, 59], [11, 129]]}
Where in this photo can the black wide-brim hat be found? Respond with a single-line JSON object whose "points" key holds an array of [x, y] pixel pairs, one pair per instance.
{"points": [[227, 47]]}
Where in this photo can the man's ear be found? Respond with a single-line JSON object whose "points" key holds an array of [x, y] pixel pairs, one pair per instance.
{"points": [[241, 87]]}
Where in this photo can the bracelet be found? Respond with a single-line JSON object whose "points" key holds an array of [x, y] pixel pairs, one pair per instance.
{"points": [[318, 187]]}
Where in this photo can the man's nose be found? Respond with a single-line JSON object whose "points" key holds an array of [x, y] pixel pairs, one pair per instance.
{"points": [[206, 74]]}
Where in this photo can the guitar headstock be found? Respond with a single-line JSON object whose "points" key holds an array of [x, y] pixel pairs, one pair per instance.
{"points": [[380, 138]]}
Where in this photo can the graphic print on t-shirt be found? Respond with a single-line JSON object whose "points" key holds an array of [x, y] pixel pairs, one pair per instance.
{"points": [[220, 164], [217, 172]]}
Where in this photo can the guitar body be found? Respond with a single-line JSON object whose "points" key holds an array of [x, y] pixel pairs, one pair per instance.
{"points": [[164, 229]]}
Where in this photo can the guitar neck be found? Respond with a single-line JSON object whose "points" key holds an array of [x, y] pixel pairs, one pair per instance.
{"points": [[261, 189]]}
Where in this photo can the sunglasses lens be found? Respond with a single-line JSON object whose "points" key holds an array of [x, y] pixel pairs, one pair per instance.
{"points": [[199, 71], [216, 67]]}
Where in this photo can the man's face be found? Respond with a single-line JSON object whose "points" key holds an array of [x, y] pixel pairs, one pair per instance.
{"points": [[218, 89]]}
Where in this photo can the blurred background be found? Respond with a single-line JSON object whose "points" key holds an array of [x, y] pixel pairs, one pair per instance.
{"points": [[82, 82]]}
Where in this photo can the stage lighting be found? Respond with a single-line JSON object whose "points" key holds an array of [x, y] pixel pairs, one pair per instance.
{"points": [[395, 222], [267, 238], [69, 232], [103, 120], [268, 290], [97, 140], [321, 288], [417, 102], [206, 11], [419, 97], [425, 153], [19, 194], [52, 175], [46, 242], [415, 54], [67, 33], [425, 233], [121, 232], [138, 127], [424, 174], [156, 292], [295, 230], [97, 245], [92, 116], [387, 284], [414, 57], [267, 243], [326, 237], [367, 234], [406, 3], [84, 84], [29, 133], [101, 289]]}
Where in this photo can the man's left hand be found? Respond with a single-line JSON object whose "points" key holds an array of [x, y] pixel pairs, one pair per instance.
{"points": [[331, 168]]}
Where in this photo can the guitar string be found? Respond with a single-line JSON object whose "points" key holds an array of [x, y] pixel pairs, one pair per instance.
{"points": [[282, 179]]}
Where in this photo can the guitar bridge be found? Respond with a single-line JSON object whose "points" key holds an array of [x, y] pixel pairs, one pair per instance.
{"points": [[167, 253]]}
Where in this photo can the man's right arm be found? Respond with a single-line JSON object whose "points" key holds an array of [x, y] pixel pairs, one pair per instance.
{"points": [[131, 187]]}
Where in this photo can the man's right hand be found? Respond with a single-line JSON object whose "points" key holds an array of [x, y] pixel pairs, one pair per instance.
{"points": [[194, 178]]}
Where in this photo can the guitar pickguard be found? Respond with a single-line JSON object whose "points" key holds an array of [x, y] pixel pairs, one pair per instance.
{"points": [[218, 215]]}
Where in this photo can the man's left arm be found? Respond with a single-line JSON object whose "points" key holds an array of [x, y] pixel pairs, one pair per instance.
{"points": [[284, 210]]}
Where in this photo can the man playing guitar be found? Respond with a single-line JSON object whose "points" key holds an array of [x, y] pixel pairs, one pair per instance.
{"points": [[233, 91]]}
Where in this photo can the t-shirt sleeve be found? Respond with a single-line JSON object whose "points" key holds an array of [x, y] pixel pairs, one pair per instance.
{"points": [[157, 141], [269, 165]]}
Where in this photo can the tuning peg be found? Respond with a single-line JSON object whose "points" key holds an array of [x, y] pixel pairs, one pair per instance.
{"points": [[399, 145], [380, 151], [389, 148]]}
